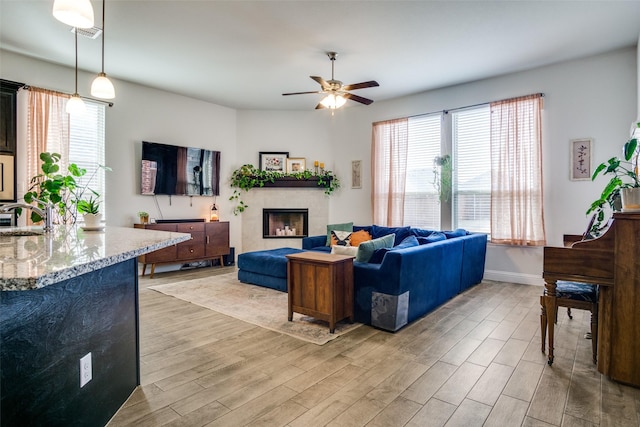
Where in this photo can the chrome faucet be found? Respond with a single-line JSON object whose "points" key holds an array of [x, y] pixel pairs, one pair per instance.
{"points": [[46, 214]]}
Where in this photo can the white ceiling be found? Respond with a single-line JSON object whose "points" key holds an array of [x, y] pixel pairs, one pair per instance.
{"points": [[245, 54]]}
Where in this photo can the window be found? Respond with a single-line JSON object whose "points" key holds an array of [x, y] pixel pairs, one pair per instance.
{"points": [[495, 178], [86, 147], [472, 169], [421, 204]]}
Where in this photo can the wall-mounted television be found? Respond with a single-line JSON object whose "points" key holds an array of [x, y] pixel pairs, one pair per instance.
{"points": [[183, 171]]}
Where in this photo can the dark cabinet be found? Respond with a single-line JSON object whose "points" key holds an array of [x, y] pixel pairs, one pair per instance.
{"points": [[8, 108]]}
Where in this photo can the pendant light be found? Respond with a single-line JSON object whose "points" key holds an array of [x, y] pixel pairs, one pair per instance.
{"points": [[76, 13], [75, 104], [102, 86]]}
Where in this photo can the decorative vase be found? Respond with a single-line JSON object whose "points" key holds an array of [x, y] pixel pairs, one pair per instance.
{"points": [[630, 199], [92, 220], [144, 219]]}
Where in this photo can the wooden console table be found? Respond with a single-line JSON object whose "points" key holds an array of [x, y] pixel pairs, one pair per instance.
{"points": [[209, 240], [320, 285]]}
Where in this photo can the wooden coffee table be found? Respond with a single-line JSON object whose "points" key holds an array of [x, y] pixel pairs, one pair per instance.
{"points": [[321, 285]]}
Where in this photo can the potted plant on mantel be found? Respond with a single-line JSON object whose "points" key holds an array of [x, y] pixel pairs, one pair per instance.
{"points": [[247, 177], [624, 185]]}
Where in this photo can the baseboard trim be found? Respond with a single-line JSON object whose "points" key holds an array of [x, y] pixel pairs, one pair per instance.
{"points": [[507, 276]]}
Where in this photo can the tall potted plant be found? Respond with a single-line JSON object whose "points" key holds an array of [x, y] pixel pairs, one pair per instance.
{"points": [[624, 185]]}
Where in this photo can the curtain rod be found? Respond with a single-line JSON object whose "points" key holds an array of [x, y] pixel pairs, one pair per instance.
{"points": [[108, 103], [446, 111]]}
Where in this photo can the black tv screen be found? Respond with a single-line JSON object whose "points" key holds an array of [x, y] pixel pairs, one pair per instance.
{"points": [[183, 171]]}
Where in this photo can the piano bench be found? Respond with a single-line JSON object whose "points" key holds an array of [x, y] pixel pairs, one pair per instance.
{"points": [[576, 295]]}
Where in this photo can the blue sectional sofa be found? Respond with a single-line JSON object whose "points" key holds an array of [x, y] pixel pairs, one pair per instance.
{"points": [[410, 282]]}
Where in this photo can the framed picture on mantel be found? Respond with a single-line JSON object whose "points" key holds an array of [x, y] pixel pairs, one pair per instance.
{"points": [[274, 161]]}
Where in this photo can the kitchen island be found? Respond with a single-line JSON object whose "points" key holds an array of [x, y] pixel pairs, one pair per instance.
{"points": [[65, 296]]}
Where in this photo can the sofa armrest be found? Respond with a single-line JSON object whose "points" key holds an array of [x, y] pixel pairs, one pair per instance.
{"points": [[314, 241]]}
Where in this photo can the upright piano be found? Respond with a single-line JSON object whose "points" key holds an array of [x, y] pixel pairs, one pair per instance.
{"points": [[613, 262]]}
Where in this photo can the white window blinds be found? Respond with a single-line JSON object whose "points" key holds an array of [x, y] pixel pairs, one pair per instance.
{"points": [[86, 148], [472, 169], [421, 204]]}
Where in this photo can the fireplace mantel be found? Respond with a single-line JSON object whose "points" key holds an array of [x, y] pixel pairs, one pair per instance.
{"points": [[288, 181]]}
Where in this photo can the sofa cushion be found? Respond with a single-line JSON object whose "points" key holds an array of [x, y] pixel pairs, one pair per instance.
{"points": [[399, 232], [344, 250], [347, 226], [366, 249], [340, 238], [378, 255], [359, 236], [436, 236], [420, 232], [408, 242], [458, 232]]}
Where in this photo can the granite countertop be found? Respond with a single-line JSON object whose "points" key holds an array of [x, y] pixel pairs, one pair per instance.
{"points": [[32, 262]]}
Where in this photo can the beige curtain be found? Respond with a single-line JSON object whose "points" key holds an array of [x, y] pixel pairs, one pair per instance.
{"points": [[47, 129], [516, 172], [389, 148]]}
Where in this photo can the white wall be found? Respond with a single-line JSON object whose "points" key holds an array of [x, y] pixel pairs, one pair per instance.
{"points": [[593, 97], [141, 113]]}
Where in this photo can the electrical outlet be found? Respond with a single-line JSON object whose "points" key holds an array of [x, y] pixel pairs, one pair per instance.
{"points": [[85, 370]]}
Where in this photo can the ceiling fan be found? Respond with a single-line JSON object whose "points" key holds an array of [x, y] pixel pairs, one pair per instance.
{"points": [[337, 93]]}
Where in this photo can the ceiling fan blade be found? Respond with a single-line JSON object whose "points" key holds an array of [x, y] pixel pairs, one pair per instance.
{"points": [[322, 82], [320, 107], [371, 83], [301, 93], [357, 98]]}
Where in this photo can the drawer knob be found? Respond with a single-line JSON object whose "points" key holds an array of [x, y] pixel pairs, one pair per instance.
{"points": [[191, 227], [191, 250]]}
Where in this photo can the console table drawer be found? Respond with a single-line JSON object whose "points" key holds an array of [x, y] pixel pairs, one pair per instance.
{"points": [[191, 227], [188, 251]]}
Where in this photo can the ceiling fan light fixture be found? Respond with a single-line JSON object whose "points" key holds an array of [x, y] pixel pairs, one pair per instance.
{"points": [[76, 13], [102, 87], [333, 101], [75, 105]]}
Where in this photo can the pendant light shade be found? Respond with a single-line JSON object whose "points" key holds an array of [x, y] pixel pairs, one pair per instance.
{"points": [[75, 104], [76, 13], [333, 101], [102, 86]]}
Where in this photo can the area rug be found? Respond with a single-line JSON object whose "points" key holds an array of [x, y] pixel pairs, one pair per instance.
{"points": [[260, 306]]}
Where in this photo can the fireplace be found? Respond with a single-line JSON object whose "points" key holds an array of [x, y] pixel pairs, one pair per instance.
{"points": [[285, 223]]}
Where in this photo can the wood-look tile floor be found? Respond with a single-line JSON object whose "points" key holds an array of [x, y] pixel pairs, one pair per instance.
{"points": [[475, 361]]}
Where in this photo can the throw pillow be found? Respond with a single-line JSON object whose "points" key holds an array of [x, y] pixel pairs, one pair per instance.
{"points": [[436, 236], [340, 238], [366, 249], [420, 232], [400, 232], [458, 232], [360, 236], [347, 226], [408, 242], [344, 250], [378, 255]]}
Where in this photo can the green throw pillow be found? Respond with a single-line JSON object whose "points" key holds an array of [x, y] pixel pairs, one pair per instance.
{"points": [[347, 226], [366, 249]]}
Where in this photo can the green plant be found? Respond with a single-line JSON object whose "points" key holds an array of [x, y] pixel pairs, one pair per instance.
{"points": [[65, 192], [625, 175], [247, 177], [442, 175], [89, 206], [143, 213]]}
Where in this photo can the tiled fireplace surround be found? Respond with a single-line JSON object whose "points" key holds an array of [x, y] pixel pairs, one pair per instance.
{"points": [[313, 199]]}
